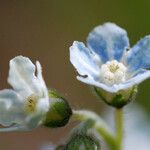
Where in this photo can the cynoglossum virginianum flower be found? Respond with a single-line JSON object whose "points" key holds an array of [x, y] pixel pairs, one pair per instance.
{"points": [[109, 63], [24, 107]]}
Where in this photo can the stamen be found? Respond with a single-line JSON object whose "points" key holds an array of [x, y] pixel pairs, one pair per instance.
{"points": [[113, 72], [30, 104]]}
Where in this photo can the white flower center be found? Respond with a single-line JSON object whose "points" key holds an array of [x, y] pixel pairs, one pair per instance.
{"points": [[113, 72]]}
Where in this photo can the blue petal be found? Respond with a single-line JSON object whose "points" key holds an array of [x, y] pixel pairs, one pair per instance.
{"points": [[138, 78], [139, 56], [109, 41], [83, 59]]}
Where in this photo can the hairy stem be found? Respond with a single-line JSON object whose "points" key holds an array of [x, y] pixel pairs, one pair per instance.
{"points": [[99, 125]]}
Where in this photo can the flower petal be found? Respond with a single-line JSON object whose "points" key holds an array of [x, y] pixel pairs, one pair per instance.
{"points": [[11, 110], [109, 41], [36, 119], [83, 60], [138, 78], [14, 128], [22, 76], [111, 89], [41, 80], [139, 56]]}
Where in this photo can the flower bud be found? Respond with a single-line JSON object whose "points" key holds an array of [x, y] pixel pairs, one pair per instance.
{"points": [[119, 99], [82, 142], [83, 137], [59, 112]]}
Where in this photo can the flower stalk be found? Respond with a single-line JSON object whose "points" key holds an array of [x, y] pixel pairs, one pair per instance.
{"points": [[114, 142], [119, 128], [99, 125]]}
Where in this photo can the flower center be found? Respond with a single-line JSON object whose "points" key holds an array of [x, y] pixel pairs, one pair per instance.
{"points": [[113, 72], [30, 104]]}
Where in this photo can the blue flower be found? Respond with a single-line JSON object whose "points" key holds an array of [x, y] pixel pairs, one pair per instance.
{"points": [[108, 62]]}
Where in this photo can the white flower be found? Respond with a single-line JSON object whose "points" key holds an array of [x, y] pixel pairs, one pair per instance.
{"points": [[24, 107]]}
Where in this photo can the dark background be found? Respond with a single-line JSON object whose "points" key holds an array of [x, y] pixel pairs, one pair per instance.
{"points": [[44, 30]]}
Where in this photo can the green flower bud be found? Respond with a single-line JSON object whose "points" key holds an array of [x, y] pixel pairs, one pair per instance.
{"points": [[82, 137], [59, 112], [118, 99], [82, 142]]}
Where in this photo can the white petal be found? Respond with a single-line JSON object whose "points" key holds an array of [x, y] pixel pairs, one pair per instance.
{"points": [[137, 79], [11, 110], [142, 75], [93, 82], [36, 119], [14, 128], [22, 76], [41, 80]]}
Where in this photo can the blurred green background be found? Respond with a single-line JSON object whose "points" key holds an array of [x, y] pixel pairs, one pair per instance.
{"points": [[44, 30]]}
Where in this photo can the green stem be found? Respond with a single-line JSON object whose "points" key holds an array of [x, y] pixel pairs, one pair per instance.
{"points": [[119, 128], [99, 125]]}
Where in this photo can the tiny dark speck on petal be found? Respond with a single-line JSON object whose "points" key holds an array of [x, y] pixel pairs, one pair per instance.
{"points": [[127, 49], [83, 76]]}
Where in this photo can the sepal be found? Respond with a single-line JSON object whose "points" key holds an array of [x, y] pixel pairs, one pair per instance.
{"points": [[119, 99], [59, 112]]}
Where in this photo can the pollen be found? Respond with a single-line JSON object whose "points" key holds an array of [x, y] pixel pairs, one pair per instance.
{"points": [[30, 104], [113, 72]]}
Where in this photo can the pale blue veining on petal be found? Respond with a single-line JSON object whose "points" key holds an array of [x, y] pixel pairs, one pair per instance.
{"points": [[98, 45], [139, 56], [109, 41], [83, 59]]}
